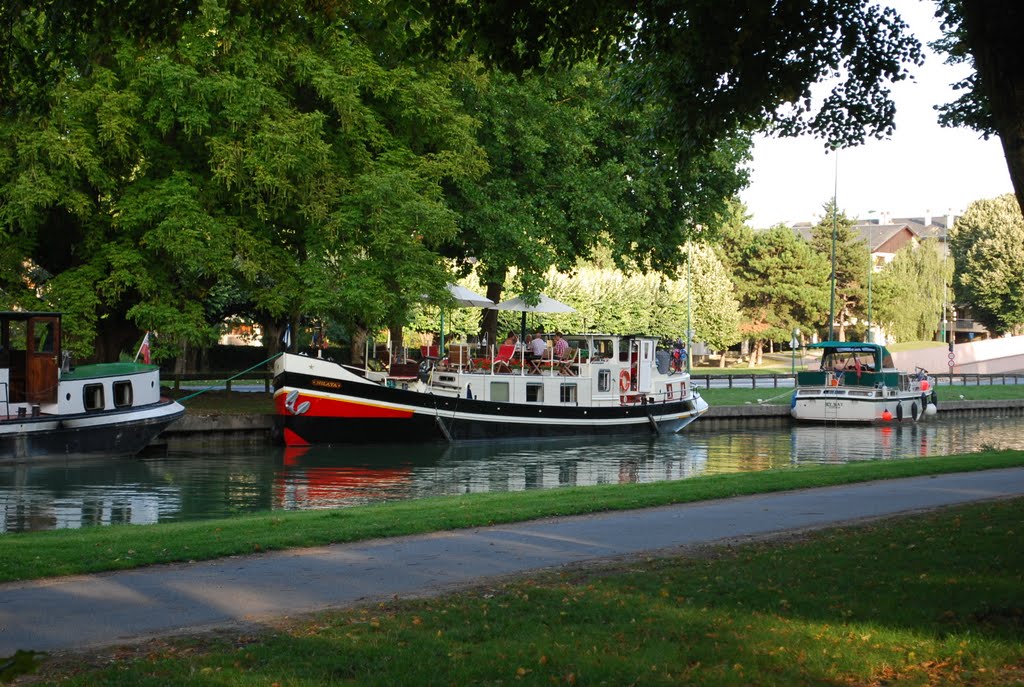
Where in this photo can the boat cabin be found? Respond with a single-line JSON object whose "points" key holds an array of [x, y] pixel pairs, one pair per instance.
{"points": [[845, 363], [30, 354], [599, 369]]}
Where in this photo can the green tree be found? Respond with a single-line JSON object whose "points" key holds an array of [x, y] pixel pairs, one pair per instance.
{"points": [[909, 292], [781, 283], [986, 35], [714, 67], [264, 162], [850, 278], [987, 245], [573, 171]]}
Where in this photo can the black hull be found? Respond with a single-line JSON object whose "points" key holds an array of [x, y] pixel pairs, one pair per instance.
{"points": [[390, 415], [121, 436]]}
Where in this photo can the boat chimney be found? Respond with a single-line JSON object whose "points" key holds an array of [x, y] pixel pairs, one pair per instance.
{"points": [[927, 217]]}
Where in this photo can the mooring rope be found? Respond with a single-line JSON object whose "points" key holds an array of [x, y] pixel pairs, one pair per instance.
{"points": [[211, 388]]}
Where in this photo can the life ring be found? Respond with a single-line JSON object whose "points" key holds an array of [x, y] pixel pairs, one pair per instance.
{"points": [[624, 380], [668, 390]]}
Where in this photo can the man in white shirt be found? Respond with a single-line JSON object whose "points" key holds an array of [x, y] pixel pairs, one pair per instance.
{"points": [[538, 346]]}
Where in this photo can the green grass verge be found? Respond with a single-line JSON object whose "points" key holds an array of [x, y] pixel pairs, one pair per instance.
{"points": [[934, 599], [219, 402], [63, 552]]}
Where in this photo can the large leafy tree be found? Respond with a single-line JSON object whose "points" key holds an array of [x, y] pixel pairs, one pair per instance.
{"points": [[834, 235], [986, 35], [987, 244], [573, 170], [781, 283], [265, 161], [715, 67], [909, 293]]}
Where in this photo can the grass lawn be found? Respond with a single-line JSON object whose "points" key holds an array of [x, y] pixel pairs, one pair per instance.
{"points": [[933, 599], [220, 402]]}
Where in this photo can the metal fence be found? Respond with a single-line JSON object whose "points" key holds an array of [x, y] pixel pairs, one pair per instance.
{"points": [[706, 381], [775, 381]]}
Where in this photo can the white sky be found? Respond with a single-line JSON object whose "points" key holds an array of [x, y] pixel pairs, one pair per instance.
{"points": [[923, 169]]}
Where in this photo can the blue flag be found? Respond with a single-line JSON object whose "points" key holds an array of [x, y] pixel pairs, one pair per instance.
{"points": [[286, 338]]}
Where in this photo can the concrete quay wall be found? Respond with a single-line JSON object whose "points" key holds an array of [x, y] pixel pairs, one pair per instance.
{"points": [[717, 418]]}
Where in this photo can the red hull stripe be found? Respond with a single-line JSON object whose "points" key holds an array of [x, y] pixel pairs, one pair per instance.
{"points": [[293, 439], [323, 406]]}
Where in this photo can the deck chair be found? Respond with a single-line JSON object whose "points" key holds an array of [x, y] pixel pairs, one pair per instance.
{"points": [[506, 353], [567, 363]]}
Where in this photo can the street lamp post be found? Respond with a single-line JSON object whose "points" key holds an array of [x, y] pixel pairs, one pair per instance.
{"points": [[793, 344]]}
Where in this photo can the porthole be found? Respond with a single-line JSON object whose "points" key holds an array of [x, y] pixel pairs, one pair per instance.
{"points": [[92, 396], [122, 394]]}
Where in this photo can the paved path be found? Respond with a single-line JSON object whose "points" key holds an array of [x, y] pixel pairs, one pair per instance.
{"points": [[110, 608]]}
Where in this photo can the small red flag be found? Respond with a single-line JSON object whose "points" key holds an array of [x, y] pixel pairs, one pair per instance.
{"points": [[144, 350]]}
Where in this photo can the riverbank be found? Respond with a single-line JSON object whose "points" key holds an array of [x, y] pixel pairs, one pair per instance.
{"points": [[748, 592]]}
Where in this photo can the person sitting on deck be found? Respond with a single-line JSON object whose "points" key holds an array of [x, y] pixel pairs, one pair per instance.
{"points": [[536, 350], [561, 345], [537, 346]]}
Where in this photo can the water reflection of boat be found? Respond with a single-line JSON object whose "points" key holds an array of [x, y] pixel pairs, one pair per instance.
{"points": [[844, 444], [332, 476]]}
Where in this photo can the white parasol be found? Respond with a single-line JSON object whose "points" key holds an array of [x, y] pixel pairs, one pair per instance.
{"points": [[544, 305], [467, 298]]}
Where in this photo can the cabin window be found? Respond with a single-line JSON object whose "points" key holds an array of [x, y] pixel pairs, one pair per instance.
{"points": [[17, 336], [604, 381], [602, 349], [499, 391], [567, 393], [534, 393], [122, 394], [42, 330], [92, 396]]}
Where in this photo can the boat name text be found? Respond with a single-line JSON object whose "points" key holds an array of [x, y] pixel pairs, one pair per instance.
{"points": [[326, 383]]}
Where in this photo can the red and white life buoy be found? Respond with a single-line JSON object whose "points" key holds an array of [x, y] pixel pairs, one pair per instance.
{"points": [[668, 391], [624, 381]]}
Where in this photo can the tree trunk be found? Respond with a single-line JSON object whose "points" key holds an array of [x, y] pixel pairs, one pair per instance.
{"points": [[489, 318], [755, 353], [992, 30], [359, 335], [397, 343]]}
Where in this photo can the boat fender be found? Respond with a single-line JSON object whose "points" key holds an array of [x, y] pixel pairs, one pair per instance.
{"points": [[899, 410], [935, 399], [913, 411], [886, 415], [624, 380], [469, 392]]}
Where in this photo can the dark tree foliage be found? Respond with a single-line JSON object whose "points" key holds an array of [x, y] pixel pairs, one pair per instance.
{"points": [[716, 66], [987, 34]]}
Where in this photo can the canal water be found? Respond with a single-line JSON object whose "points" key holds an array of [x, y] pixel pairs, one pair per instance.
{"points": [[195, 479]]}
